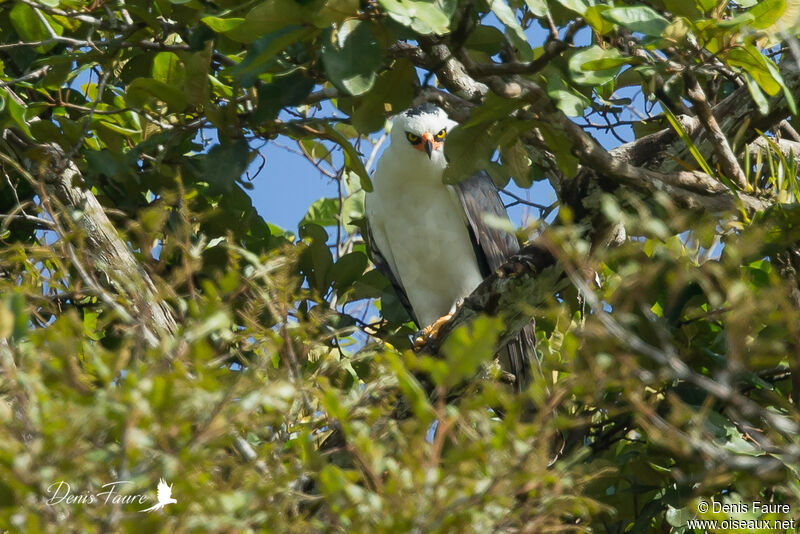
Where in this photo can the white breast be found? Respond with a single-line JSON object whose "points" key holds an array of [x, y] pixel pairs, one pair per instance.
{"points": [[419, 226]]}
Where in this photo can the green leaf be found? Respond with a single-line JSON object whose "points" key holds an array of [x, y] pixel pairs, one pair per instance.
{"points": [[261, 54], [323, 212], [515, 159], [351, 57], [224, 164], [594, 16], [46, 132], [755, 64], [421, 16], [351, 158], [776, 75], [705, 5], [393, 91], [104, 162], [347, 270], [141, 89], [486, 39], [268, 17], [766, 12], [739, 20], [334, 12], [698, 156], [468, 148], [537, 7], [392, 308], [494, 108], [168, 68], [506, 15], [609, 63], [284, 91], [30, 28], [117, 128], [316, 150], [640, 19], [571, 102], [90, 325], [17, 111], [682, 8], [467, 348], [561, 146], [591, 54], [353, 207], [221, 25], [677, 517], [678, 31], [316, 260], [369, 286], [195, 84], [578, 6]]}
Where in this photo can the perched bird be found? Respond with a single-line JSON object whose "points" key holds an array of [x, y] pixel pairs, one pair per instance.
{"points": [[163, 496], [430, 239]]}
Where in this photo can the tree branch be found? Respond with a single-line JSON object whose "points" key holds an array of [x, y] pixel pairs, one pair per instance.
{"points": [[691, 189], [725, 157], [789, 149], [736, 113], [62, 182]]}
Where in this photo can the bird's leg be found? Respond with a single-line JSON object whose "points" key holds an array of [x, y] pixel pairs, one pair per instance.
{"points": [[431, 331]]}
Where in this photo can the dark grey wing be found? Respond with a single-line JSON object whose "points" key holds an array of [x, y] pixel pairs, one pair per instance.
{"points": [[493, 246], [386, 270], [479, 197]]}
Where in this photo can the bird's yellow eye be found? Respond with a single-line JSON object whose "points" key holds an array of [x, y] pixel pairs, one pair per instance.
{"points": [[413, 139], [441, 134]]}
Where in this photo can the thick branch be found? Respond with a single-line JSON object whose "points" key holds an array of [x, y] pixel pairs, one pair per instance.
{"points": [[725, 156], [691, 189], [450, 71], [736, 113], [789, 149], [632, 164], [109, 253]]}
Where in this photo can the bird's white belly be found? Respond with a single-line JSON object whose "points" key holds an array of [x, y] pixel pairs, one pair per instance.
{"points": [[432, 250]]}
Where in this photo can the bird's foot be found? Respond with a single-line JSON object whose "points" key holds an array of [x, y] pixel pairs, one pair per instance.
{"points": [[431, 332]]}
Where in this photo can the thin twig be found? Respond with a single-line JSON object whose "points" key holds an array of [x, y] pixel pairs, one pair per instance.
{"points": [[38, 73], [38, 221]]}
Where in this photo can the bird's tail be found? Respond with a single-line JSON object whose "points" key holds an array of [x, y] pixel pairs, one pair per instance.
{"points": [[154, 507], [522, 361]]}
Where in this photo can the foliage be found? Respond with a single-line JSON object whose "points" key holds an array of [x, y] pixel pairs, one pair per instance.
{"points": [[273, 397]]}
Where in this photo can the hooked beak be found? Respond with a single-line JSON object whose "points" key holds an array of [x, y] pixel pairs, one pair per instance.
{"points": [[427, 139]]}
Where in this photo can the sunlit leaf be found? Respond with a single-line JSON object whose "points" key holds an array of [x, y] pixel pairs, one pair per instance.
{"points": [[351, 56]]}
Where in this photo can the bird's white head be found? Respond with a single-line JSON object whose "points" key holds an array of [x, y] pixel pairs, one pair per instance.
{"points": [[420, 133]]}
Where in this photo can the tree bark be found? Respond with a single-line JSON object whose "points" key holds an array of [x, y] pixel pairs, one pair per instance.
{"points": [[73, 206]]}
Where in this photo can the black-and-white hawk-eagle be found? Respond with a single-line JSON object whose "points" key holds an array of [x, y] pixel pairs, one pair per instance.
{"points": [[431, 240]]}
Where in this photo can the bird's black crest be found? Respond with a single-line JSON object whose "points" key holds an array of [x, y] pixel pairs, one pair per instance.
{"points": [[425, 108]]}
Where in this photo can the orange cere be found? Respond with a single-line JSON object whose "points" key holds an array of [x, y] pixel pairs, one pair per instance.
{"points": [[427, 136]]}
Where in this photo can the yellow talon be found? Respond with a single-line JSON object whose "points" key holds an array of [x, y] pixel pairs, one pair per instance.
{"points": [[431, 332]]}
